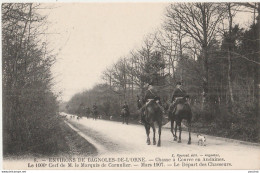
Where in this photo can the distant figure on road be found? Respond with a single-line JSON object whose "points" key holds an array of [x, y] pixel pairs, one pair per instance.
{"points": [[125, 106], [125, 113], [80, 111], [94, 111], [87, 111]]}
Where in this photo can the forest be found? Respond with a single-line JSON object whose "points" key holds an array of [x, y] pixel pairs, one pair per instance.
{"points": [[201, 45], [30, 108]]}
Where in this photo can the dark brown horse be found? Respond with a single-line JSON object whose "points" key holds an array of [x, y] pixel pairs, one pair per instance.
{"points": [[152, 114], [124, 115], [95, 114], [87, 112], [183, 111]]}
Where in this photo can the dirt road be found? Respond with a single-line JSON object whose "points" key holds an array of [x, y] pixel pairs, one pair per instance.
{"points": [[116, 139]]}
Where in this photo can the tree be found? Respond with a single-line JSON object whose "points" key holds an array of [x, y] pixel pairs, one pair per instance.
{"points": [[200, 21], [28, 101]]}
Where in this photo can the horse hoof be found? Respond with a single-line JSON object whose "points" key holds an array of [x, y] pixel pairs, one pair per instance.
{"points": [[148, 142], [158, 145], [189, 142], [179, 141], [174, 139], [154, 143]]}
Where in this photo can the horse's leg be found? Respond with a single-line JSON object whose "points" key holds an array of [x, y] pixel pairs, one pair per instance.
{"points": [[154, 131], [159, 132], [179, 124], [175, 131], [147, 128], [172, 128], [189, 128]]}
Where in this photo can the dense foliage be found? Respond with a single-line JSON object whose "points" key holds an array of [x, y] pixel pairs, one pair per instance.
{"points": [[29, 105], [200, 45]]}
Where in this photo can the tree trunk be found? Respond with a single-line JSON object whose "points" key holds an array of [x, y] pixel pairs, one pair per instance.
{"points": [[205, 77], [230, 48], [205, 56], [256, 80]]}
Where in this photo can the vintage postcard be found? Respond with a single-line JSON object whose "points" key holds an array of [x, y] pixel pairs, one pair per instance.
{"points": [[130, 85]]}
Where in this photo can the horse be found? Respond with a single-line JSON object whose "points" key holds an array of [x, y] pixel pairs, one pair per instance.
{"points": [[125, 115], [87, 112], [95, 114], [152, 114], [182, 111]]}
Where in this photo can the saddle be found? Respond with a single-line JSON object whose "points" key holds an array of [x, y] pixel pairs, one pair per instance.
{"points": [[149, 101], [152, 101], [179, 100]]}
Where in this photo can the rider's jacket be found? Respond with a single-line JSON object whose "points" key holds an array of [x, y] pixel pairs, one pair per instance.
{"points": [[178, 93], [150, 94]]}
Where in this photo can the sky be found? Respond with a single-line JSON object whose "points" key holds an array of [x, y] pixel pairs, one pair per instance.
{"points": [[90, 37]]}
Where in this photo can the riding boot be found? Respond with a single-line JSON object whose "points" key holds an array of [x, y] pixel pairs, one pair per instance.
{"points": [[174, 105], [170, 111], [162, 109]]}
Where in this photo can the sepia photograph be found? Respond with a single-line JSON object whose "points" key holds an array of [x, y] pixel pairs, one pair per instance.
{"points": [[130, 85]]}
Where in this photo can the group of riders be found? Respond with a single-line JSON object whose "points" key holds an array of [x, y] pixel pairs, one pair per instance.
{"points": [[178, 96], [94, 110]]}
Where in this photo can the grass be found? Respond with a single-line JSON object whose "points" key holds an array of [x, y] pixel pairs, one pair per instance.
{"points": [[62, 141]]}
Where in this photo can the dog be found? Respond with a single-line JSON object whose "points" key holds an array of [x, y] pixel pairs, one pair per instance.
{"points": [[201, 140]]}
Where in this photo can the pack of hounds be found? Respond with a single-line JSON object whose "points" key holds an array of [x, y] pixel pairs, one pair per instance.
{"points": [[201, 138]]}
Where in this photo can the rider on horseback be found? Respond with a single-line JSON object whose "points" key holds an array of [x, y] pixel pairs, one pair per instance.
{"points": [[178, 96], [150, 95], [94, 108], [125, 106]]}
